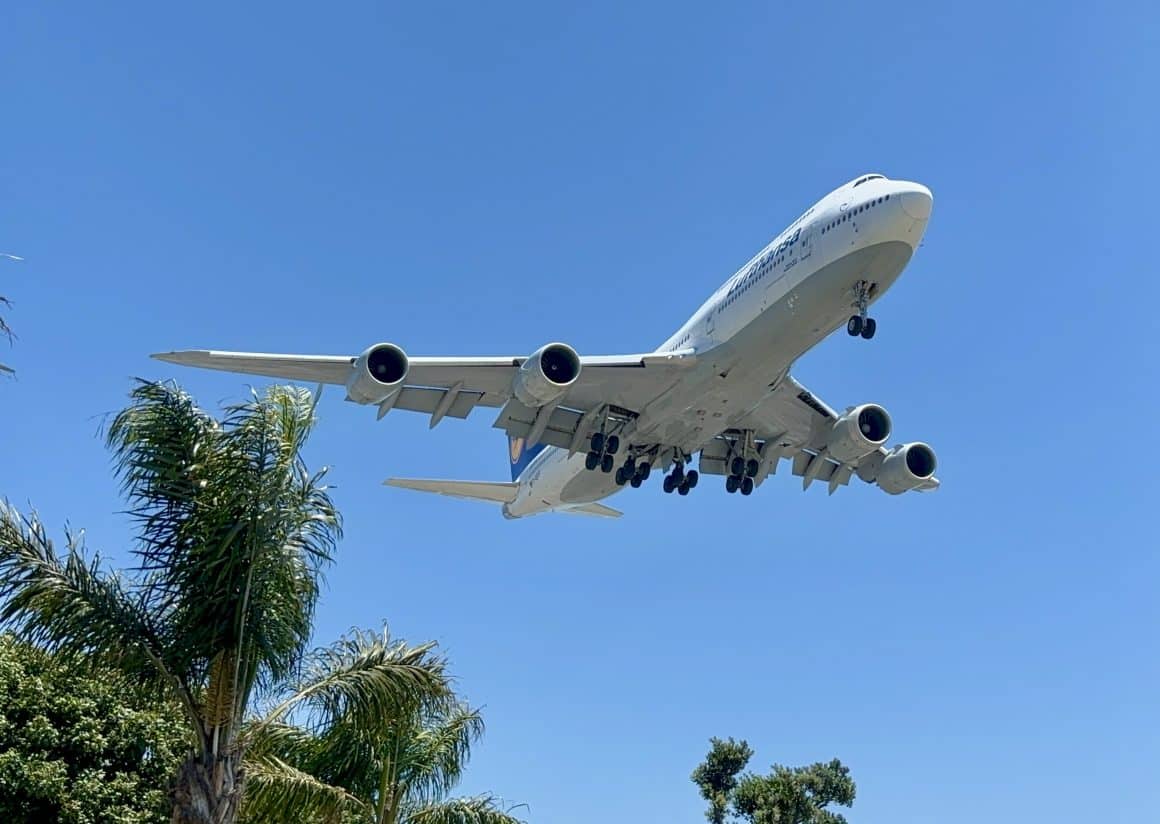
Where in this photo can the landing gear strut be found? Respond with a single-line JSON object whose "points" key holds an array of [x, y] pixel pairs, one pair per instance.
{"points": [[859, 324], [741, 468]]}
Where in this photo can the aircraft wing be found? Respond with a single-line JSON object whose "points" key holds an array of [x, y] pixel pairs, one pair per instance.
{"points": [[792, 422], [619, 386]]}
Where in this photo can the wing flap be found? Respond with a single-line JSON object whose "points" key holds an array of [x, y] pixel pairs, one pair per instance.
{"points": [[517, 420], [420, 399]]}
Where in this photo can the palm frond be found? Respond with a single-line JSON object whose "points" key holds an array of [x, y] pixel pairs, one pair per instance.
{"points": [[288, 742], [5, 329], [70, 607], [482, 809], [278, 792], [438, 752], [365, 678], [355, 699], [234, 529]]}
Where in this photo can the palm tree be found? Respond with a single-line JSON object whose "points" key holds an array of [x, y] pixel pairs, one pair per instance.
{"points": [[5, 329], [343, 764], [232, 534]]}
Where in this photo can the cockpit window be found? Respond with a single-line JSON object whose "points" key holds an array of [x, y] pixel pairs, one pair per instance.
{"points": [[870, 177]]}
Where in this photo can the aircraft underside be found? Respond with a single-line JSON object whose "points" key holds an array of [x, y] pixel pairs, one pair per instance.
{"points": [[718, 392]]}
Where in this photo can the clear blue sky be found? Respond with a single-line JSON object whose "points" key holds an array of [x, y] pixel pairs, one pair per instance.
{"points": [[481, 179]]}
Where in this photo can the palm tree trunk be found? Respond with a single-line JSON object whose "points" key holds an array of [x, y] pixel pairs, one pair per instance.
{"points": [[207, 791]]}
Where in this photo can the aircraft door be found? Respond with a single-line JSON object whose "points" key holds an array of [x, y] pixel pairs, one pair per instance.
{"points": [[806, 249], [710, 323]]}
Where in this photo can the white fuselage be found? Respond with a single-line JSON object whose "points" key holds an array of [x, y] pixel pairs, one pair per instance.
{"points": [[747, 335]]}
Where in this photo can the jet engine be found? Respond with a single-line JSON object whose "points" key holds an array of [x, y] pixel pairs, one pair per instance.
{"points": [[546, 375], [858, 432], [378, 373], [906, 467]]}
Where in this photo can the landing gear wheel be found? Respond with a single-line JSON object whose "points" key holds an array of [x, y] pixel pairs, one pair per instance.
{"points": [[669, 485], [612, 444], [751, 467], [731, 484], [636, 481], [591, 461], [644, 470], [630, 466], [683, 489], [621, 478], [869, 328], [606, 464], [746, 486], [854, 326], [692, 478], [598, 442], [678, 474], [737, 466]]}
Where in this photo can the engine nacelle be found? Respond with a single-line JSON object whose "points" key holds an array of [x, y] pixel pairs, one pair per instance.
{"points": [[906, 467], [546, 375], [858, 432], [378, 373]]}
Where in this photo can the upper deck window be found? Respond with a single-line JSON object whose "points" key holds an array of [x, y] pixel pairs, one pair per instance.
{"points": [[869, 177]]}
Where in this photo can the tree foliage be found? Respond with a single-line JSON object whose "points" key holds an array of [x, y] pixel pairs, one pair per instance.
{"points": [[232, 534], [787, 795], [81, 747], [356, 753], [5, 329]]}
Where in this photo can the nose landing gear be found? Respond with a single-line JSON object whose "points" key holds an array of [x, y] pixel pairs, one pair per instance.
{"points": [[860, 324]]}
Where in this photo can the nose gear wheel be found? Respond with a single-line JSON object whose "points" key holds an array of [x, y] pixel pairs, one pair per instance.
{"points": [[860, 324]]}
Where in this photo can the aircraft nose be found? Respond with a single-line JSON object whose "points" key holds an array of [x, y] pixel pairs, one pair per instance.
{"points": [[917, 201]]}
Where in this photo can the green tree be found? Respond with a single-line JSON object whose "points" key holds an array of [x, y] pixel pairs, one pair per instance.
{"points": [[788, 795], [81, 747], [343, 763], [232, 534]]}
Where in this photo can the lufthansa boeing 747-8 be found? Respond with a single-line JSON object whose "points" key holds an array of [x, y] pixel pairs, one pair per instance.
{"points": [[581, 428]]}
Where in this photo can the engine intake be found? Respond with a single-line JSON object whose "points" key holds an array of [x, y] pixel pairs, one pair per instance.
{"points": [[546, 375], [378, 373], [858, 432], [906, 467]]}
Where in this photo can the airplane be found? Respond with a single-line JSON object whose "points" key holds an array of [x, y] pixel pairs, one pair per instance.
{"points": [[581, 428]]}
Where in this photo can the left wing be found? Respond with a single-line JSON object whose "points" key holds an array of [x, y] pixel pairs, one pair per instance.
{"points": [[794, 423], [612, 385]]}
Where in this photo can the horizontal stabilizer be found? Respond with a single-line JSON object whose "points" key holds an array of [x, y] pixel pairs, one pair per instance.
{"points": [[496, 492], [599, 510]]}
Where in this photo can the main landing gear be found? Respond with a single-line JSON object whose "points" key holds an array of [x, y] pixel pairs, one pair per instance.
{"points": [[859, 324], [741, 475], [681, 480], [600, 455], [633, 473]]}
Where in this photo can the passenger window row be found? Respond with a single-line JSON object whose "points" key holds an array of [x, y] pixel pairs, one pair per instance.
{"points": [[850, 214], [753, 277]]}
